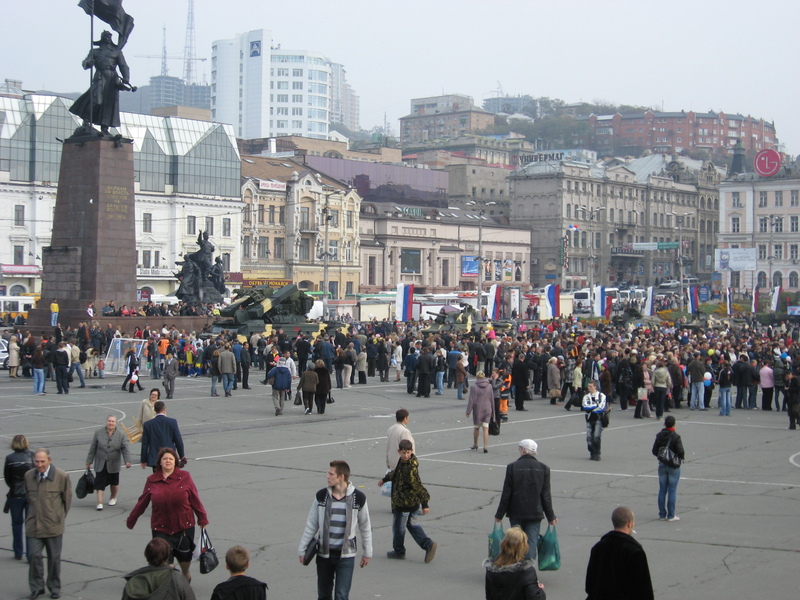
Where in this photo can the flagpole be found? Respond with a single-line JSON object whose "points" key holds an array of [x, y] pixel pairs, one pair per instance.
{"points": [[91, 67]]}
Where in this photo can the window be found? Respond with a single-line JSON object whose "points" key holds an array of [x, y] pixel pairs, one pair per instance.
{"points": [[350, 219], [281, 97], [297, 85], [793, 225], [226, 262], [735, 225], [283, 85], [777, 279], [762, 199], [762, 251], [763, 224], [334, 218], [348, 251], [297, 98], [297, 112], [271, 215], [778, 198], [210, 225], [305, 214], [147, 222], [263, 247], [778, 251], [282, 215], [569, 211], [795, 201], [281, 124], [372, 270], [226, 227], [279, 243], [146, 259], [282, 111], [333, 249], [246, 247], [297, 124], [762, 279], [446, 272], [305, 248], [191, 225], [19, 215], [19, 255], [282, 72], [793, 252], [793, 279], [777, 225], [297, 72]]}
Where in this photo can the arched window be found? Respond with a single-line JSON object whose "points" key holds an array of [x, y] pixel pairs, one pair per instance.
{"points": [[777, 279], [18, 290], [793, 279], [762, 279]]}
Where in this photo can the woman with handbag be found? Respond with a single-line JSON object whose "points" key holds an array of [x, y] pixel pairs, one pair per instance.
{"points": [[108, 449], [668, 447], [553, 380], [19, 462], [176, 502]]}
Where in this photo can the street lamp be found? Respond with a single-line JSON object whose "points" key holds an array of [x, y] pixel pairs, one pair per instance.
{"points": [[592, 258], [679, 222], [326, 213], [481, 219]]}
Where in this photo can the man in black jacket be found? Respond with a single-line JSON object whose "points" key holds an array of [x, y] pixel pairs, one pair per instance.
{"points": [[618, 567], [526, 495], [741, 379]]}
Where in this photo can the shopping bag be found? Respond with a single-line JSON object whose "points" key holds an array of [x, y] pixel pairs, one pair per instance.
{"points": [[549, 553], [386, 489], [298, 398], [495, 538], [208, 555], [641, 394], [85, 484]]}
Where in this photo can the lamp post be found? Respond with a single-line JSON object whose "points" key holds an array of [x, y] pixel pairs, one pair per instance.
{"points": [[679, 222], [592, 258], [481, 219], [771, 250], [326, 214]]}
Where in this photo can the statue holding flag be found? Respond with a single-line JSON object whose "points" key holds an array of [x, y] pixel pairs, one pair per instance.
{"points": [[99, 105]]}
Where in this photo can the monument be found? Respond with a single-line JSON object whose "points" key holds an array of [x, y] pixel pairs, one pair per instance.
{"points": [[202, 281], [92, 252]]}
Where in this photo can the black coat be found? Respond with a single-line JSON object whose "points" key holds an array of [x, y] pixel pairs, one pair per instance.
{"points": [[160, 432], [240, 587], [618, 569], [675, 444], [526, 491], [512, 582]]}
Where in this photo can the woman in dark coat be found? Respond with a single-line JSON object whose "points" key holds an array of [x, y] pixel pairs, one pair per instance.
{"points": [[323, 386], [511, 576], [382, 361], [17, 464]]}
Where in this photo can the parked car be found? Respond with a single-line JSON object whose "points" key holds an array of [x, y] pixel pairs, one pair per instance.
{"points": [[670, 284], [4, 353], [691, 281]]}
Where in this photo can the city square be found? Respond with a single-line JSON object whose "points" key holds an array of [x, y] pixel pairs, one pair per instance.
{"points": [[257, 473]]}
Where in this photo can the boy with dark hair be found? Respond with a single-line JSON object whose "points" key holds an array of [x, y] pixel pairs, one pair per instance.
{"points": [[409, 500], [239, 586]]}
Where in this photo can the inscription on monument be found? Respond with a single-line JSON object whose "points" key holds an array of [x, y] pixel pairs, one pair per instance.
{"points": [[117, 205]]}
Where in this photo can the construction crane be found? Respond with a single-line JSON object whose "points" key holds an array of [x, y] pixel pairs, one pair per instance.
{"points": [[188, 57], [164, 57]]}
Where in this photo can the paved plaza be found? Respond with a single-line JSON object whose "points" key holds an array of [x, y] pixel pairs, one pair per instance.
{"points": [[738, 497]]}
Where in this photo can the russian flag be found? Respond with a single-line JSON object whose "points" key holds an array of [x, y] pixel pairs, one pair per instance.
{"points": [[649, 305], [776, 296], [494, 302], [404, 302], [729, 301], [754, 305], [599, 301], [553, 296], [694, 298]]}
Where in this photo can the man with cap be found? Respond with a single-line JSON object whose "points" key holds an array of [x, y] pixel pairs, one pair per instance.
{"points": [[281, 385], [526, 495]]}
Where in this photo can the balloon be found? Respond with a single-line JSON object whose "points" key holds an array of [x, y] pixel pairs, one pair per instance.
{"points": [[710, 352], [707, 382], [707, 377], [784, 356]]}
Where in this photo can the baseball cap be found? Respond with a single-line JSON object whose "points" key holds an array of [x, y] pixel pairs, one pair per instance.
{"points": [[529, 445]]}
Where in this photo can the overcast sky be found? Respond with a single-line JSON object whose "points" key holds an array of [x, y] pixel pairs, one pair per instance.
{"points": [[731, 55]]}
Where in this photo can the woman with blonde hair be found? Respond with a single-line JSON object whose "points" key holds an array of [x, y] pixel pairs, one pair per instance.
{"points": [[511, 576]]}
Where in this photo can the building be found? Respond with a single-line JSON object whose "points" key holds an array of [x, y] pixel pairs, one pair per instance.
{"points": [[632, 134], [345, 103], [265, 91], [437, 117], [587, 217], [166, 91], [186, 176], [491, 149], [292, 210], [762, 213], [511, 104], [438, 250], [292, 145]]}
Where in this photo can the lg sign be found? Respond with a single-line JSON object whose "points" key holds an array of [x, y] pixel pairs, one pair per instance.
{"points": [[767, 163]]}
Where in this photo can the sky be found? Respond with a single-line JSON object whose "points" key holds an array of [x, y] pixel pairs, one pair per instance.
{"points": [[731, 55]]}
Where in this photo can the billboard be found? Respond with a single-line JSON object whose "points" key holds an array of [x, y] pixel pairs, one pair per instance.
{"points": [[735, 259], [469, 266]]}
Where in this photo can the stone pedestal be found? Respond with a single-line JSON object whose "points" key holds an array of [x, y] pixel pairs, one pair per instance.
{"points": [[92, 252]]}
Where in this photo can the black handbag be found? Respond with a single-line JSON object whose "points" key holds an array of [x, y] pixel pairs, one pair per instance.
{"points": [[208, 555], [85, 484], [330, 399], [494, 427], [604, 420], [311, 552], [667, 456], [298, 398]]}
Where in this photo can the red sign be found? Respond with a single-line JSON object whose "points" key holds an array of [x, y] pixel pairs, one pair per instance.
{"points": [[767, 163]]}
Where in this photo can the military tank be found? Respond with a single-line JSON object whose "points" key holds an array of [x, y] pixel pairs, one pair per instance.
{"points": [[465, 320], [264, 310]]}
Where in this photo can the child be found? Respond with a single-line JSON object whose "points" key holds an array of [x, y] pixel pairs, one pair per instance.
{"points": [[101, 368], [239, 586], [505, 394], [409, 499]]}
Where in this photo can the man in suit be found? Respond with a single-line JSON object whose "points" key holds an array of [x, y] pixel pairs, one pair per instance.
{"points": [[160, 432], [49, 494], [170, 373]]}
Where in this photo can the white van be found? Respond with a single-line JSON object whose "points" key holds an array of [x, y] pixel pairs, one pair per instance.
{"points": [[580, 301]]}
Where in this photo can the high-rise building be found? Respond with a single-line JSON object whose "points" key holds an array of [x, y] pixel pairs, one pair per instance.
{"points": [[266, 91], [345, 104]]}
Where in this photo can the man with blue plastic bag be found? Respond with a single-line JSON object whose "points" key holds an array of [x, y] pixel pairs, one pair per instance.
{"points": [[526, 495]]}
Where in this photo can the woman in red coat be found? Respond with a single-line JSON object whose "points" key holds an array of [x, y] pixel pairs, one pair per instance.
{"points": [[175, 503]]}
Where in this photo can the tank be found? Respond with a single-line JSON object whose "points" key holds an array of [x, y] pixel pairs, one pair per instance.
{"points": [[264, 310]]}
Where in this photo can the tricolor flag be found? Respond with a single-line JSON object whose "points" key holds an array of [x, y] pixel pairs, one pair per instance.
{"points": [[650, 305], [494, 302], [599, 301], [609, 306], [404, 301], [776, 296], [754, 306], [693, 293], [552, 294], [729, 300]]}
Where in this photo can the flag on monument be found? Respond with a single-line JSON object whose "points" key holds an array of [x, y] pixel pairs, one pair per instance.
{"points": [[111, 12]]}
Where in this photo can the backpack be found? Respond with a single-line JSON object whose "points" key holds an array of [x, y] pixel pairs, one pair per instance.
{"points": [[625, 374], [82, 357]]}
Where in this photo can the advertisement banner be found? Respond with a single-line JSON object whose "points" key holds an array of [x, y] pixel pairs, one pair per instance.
{"points": [[735, 259], [469, 266]]}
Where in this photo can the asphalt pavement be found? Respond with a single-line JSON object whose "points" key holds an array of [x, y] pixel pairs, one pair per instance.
{"points": [[257, 475]]}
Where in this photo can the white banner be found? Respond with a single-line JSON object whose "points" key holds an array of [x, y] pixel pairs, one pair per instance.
{"points": [[735, 259]]}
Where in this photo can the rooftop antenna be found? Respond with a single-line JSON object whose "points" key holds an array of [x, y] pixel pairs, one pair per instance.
{"points": [[188, 48]]}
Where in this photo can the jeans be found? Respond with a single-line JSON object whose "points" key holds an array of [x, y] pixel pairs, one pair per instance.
{"points": [[667, 488], [778, 392], [752, 392], [154, 371], [741, 396], [213, 384], [339, 379], [661, 401], [334, 569], [38, 381], [460, 390], [724, 401], [440, 382], [594, 430], [227, 382], [411, 380], [77, 367], [531, 529], [697, 395], [53, 319], [19, 512], [407, 520]]}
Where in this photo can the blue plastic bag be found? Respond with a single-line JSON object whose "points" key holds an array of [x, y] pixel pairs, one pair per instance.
{"points": [[495, 538], [549, 553]]}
